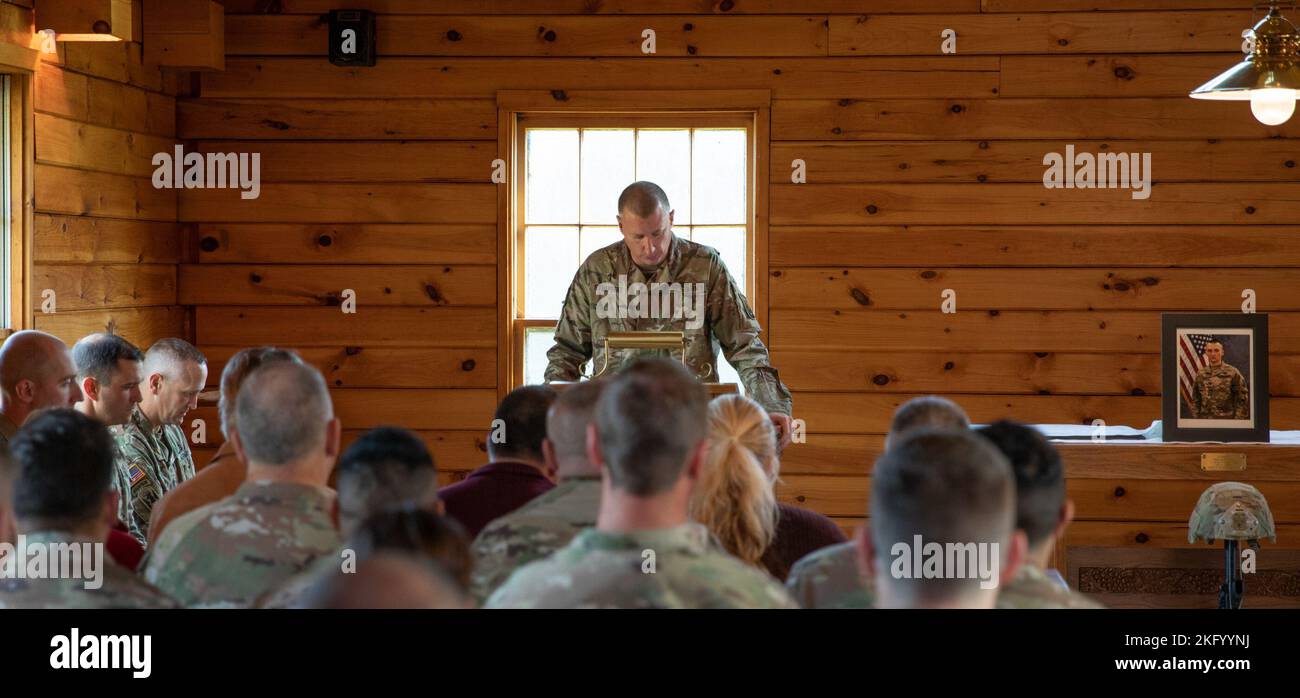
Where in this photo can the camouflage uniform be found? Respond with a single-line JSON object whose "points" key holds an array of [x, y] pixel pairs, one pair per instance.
{"points": [[728, 321], [1032, 588], [601, 569], [232, 551], [533, 532], [1220, 392], [120, 588], [829, 578], [150, 462], [293, 592]]}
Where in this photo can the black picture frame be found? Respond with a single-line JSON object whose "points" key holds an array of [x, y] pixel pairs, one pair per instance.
{"points": [[1233, 324]]}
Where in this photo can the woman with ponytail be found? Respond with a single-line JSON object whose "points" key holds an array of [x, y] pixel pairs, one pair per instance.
{"points": [[735, 498]]}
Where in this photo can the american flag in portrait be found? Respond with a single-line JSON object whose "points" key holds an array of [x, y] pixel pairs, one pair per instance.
{"points": [[1191, 358]]}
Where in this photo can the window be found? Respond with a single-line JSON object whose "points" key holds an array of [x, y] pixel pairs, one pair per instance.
{"points": [[573, 169]]}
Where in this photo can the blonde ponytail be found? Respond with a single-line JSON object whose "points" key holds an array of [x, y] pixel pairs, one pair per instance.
{"points": [[734, 498]]}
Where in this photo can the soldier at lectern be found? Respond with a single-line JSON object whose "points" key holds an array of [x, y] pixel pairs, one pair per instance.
{"points": [[655, 281]]}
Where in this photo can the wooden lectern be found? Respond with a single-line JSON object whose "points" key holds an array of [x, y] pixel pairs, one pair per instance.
{"points": [[663, 340]]}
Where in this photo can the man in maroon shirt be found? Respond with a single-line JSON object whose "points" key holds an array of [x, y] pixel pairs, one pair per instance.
{"points": [[516, 471]]}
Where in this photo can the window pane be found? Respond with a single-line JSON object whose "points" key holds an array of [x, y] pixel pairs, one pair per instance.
{"points": [[608, 165], [718, 176], [730, 243], [551, 261], [664, 157], [537, 341], [594, 238], [726, 374], [552, 160]]}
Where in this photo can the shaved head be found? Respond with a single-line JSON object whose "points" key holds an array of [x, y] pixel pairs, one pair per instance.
{"points": [[36, 372]]}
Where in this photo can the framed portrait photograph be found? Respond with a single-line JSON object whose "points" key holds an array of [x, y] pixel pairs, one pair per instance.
{"points": [[1214, 370]]}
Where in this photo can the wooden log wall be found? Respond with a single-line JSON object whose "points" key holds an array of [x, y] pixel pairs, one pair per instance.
{"points": [[924, 173], [104, 239]]}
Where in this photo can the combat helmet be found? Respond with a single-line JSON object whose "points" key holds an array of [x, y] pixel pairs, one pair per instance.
{"points": [[1231, 511]]}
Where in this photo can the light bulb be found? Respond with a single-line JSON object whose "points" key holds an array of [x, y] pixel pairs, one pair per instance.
{"points": [[1273, 105]]}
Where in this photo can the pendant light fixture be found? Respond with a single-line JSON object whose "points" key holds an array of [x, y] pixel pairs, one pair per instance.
{"points": [[1269, 77]]}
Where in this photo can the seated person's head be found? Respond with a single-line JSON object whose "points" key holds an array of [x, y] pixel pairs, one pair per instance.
{"points": [[422, 533], [174, 375], [386, 467], [1042, 509], [649, 430], [36, 373], [519, 425], [64, 462], [951, 493], [565, 446], [390, 580], [926, 411], [237, 369], [285, 420], [734, 498], [109, 372]]}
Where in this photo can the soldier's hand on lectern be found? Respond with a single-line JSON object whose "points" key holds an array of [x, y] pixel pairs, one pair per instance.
{"points": [[782, 424]]}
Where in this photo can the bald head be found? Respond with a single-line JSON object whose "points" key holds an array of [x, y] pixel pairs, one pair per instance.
{"points": [[641, 199], [36, 372], [284, 417]]}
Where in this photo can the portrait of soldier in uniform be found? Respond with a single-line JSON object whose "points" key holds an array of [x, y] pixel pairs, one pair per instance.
{"points": [[1211, 384]]}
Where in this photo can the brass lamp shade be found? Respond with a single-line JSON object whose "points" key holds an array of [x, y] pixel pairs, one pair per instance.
{"points": [[1268, 78], [1275, 63]]}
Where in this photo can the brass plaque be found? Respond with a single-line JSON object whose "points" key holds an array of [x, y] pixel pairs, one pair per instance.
{"points": [[1223, 462]]}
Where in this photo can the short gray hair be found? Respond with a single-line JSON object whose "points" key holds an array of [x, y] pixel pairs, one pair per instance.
{"points": [[167, 354], [281, 412], [244, 362]]}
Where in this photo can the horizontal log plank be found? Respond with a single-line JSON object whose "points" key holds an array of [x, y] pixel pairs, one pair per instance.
{"points": [[608, 7], [1199, 289], [1168, 118], [84, 146], [959, 77], [436, 286], [1003, 204], [548, 35], [80, 193], [86, 287], [344, 203], [289, 119], [359, 243], [384, 367], [914, 162], [1161, 75], [363, 161], [83, 239], [369, 326], [1119, 331], [1019, 245], [1169, 31], [141, 326]]}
